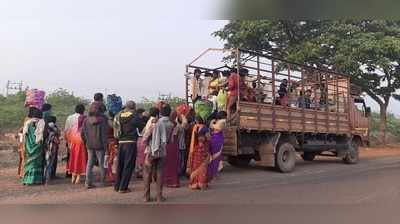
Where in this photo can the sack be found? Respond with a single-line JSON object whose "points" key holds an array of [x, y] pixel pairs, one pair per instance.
{"points": [[221, 99], [183, 109], [114, 103], [203, 109], [34, 98]]}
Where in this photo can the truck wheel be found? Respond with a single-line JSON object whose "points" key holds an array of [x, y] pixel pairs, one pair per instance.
{"points": [[308, 156], [352, 156], [285, 158], [239, 161]]}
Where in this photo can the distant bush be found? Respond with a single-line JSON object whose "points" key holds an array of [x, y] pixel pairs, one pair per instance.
{"points": [[393, 128], [13, 112]]}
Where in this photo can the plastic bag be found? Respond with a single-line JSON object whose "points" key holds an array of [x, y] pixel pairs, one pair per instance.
{"points": [[34, 98], [222, 98], [183, 109], [203, 109], [114, 103]]}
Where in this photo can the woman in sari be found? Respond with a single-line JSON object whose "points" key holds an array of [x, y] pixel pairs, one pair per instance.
{"points": [[199, 124], [33, 132], [112, 149], [199, 161], [171, 167], [216, 145], [78, 154]]}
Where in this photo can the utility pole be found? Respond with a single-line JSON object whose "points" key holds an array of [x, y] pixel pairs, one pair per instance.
{"points": [[164, 97], [13, 87]]}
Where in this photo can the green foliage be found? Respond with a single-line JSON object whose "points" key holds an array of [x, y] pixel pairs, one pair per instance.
{"points": [[393, 127], [365, 49], [13, 112], [147, 103], [63, 104]]}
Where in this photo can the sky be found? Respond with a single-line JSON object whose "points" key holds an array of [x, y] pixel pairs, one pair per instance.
{"points": [[131, 48]]}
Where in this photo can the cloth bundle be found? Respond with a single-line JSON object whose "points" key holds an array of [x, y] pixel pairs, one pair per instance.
{"points": [[203, 108], [183, 109], [114, 103], [34, 98]]}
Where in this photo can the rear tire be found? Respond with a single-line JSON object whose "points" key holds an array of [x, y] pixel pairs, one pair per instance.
{"points": [[308, 156], [352, 156], [285, 158]]}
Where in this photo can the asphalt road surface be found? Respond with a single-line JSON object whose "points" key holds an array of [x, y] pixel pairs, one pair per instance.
{"points": [[321, 182]]}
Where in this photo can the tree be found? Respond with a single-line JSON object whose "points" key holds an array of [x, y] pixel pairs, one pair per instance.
{"points": [[63, 104], [368, 50]]}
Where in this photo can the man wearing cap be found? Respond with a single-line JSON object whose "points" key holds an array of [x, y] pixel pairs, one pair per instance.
{"points": [[127, 126]]}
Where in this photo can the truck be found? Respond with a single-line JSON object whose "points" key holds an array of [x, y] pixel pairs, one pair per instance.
{"points": [[273, 134]]}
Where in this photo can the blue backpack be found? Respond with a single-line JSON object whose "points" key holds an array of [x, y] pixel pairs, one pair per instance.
{"points": [[114, 103]]}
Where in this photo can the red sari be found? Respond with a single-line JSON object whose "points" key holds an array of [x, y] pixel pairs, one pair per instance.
{"points": [[171, 167], [112, 151], [78, 154], [199, 166]]}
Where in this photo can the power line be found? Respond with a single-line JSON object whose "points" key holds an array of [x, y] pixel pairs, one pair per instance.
{"points": [[13, 87]]}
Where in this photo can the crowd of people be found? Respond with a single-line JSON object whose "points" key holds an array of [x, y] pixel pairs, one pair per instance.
{"points": [[162, 145], [224, 88]]}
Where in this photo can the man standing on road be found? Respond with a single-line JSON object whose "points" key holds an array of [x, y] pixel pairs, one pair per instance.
{"points": [[127, 126], [156, 153], [94, 135]]}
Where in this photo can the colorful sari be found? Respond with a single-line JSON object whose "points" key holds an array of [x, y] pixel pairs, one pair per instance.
{"points": [[78, 154], [193, 143], [141, 147], [112, 152], [216, 145], [198, 160], [33, 152], [171, 167], [199, 166]]}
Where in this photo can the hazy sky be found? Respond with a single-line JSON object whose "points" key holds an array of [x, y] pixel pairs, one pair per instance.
{"points": [[132, 48]]}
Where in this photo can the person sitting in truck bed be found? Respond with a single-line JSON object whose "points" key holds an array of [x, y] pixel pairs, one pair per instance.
{"points": [[213, 89], [283, 93], [198, 87], [232, 91], [304, 100]]}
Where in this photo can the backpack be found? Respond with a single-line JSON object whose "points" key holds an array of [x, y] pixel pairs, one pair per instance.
{"points": [[114, 103]]}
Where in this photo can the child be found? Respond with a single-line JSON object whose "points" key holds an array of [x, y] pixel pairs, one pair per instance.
{"points": [[52, 145]]}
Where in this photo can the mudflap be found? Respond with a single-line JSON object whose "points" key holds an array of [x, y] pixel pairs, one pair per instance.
{"points": [[267, 149]]}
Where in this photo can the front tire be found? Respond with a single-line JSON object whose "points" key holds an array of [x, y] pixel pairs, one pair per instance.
{"points": [[352, 156], [285, 158]]}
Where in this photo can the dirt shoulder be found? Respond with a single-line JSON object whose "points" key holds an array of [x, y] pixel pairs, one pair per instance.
{"points": [[383, 151]]}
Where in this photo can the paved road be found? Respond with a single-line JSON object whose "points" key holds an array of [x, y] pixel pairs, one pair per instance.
{"points": [[321, 182]]}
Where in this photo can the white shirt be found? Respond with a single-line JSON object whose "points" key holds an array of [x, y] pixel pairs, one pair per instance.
{"points": [[71, 121]]}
